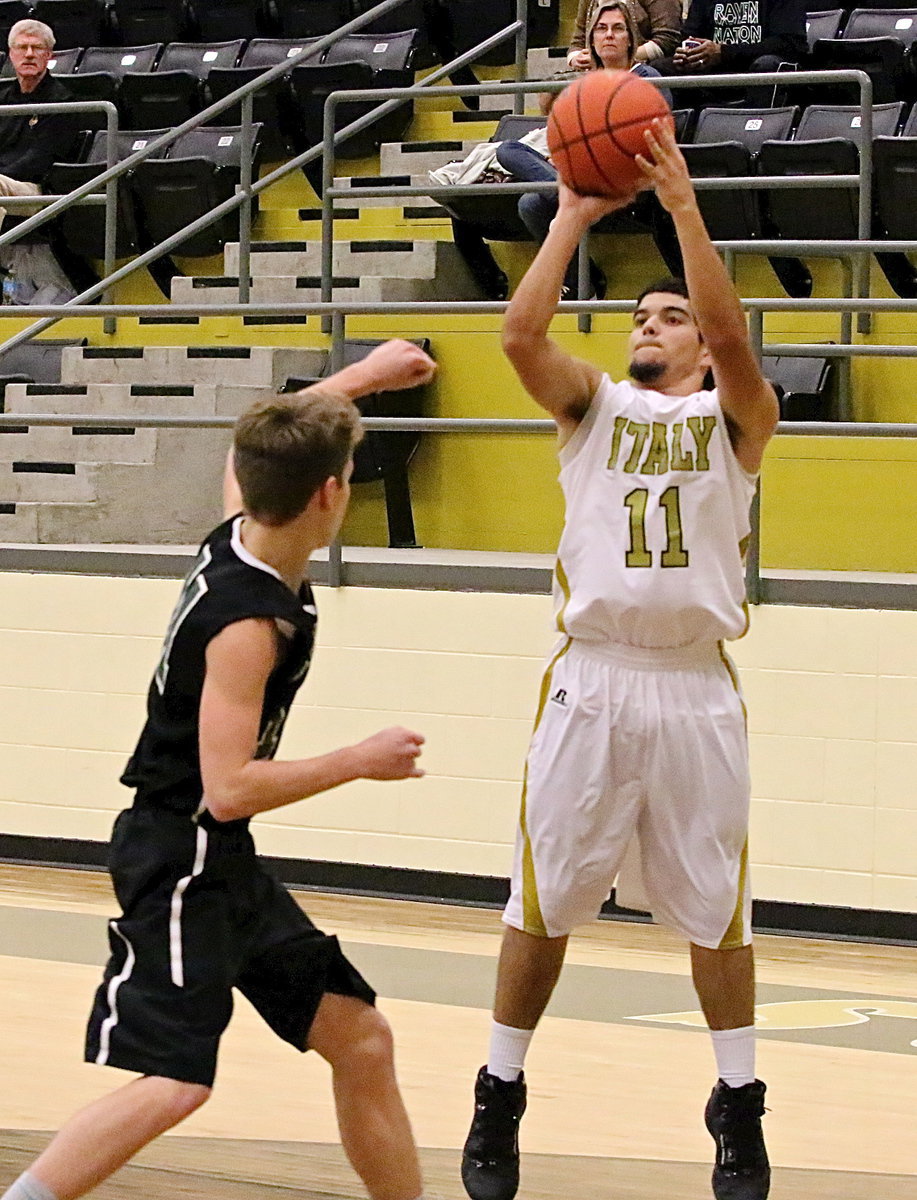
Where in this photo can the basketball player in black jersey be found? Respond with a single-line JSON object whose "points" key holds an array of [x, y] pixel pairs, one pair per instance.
{"points": [[200, 914]]}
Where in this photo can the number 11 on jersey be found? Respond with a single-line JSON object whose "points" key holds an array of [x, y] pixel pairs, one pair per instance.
{"points": [[674, 555]]}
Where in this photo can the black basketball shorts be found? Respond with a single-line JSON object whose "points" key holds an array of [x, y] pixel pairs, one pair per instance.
{"points": [[201, 916]]}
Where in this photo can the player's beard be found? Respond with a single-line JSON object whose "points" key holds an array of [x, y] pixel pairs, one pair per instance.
{"points": [[646, 372]]}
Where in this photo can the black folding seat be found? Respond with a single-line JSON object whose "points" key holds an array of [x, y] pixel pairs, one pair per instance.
{"points": [[201, 171], [413, 14], [824, 24], [468, 22], [175, 91], [75, 22], [496, 217], [83, 227], [359, 60], [827, 143], [273, 105], [37, 361], [802, 385], [217, 19], [140, 20], [685, 119], [894, 162], [878, 41], [312, 18], [66, 61], [726, 143], [384, 454]]}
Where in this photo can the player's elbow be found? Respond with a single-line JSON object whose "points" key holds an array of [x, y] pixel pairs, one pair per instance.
{"points": [[225, 802], [518, 342]]}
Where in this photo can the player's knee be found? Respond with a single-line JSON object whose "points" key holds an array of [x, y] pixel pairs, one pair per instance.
{"points": [[179, 1100], [372, 1047]]}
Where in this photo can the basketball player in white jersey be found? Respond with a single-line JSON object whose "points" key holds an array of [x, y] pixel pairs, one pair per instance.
{"points": [[640, 736]]}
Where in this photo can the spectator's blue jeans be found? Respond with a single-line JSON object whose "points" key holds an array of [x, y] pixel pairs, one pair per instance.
{"points": [[536, 209]]}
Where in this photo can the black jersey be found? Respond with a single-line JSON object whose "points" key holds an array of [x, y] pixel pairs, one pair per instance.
{"points": [[227, 584]]}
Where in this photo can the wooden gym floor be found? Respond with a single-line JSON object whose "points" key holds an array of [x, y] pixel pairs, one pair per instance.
{"points": [[618, 1072]]}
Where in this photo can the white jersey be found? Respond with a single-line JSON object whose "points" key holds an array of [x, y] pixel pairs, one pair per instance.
{"points": [[657, 520]]}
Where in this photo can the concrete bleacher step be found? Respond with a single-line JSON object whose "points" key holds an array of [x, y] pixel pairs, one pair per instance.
{"points": [[416, 158], [76, 444], [247, 366], [363, 270], [139, 399]]}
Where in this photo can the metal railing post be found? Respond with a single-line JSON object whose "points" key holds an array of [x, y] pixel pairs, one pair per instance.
{"points": [[756, 332], [327, 247], [110, 324], [522, 52], [583, 320], [336, 549], [245, 208], [864, 213]]}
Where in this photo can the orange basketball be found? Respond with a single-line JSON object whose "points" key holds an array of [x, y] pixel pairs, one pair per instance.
{"points": [[596, 127]]}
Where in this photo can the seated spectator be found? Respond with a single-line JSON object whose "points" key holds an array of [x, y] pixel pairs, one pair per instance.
{"points": [[756, 35], [612, 40], [30, 144], [658, 26]]}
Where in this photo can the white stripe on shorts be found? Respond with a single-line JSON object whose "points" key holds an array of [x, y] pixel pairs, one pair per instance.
{"points": [[175, 946], [113, 984]]}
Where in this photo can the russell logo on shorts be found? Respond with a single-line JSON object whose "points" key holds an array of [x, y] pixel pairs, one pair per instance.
{"points": [[560, 697]]}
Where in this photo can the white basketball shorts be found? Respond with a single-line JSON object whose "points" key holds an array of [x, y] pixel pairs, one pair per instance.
{"points": [[636, 743]]}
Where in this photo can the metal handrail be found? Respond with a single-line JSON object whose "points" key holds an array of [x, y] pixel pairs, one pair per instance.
{"points": [[242, 200]]}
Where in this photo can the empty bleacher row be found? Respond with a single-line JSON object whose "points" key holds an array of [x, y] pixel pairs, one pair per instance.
{"points": [[445, 27]]}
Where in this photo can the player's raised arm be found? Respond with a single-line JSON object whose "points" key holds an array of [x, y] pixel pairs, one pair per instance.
{"points": [[394, 365], [562, 384], [236, 784], [748, 400]]}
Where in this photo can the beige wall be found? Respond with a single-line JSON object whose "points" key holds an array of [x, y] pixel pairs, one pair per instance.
{"points": [[832, 698]]}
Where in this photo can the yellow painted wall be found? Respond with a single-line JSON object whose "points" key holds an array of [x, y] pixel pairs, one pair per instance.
{"points": [[832, 696]]}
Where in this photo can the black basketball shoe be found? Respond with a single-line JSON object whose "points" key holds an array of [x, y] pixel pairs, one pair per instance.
{"points": [[733, 1117], [490, 1160]]}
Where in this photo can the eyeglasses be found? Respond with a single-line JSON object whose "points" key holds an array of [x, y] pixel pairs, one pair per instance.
{"points": [[610, 29], [25, 48]]}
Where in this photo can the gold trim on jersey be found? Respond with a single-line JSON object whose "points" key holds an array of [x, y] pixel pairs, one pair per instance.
{"points": [[733, 677], [734, 937], [564, 584], [532, 920]]}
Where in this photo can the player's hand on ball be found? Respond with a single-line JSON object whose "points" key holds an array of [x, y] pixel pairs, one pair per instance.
{"points": [[666, 170], [390, 754], [399, 364], [586, 210]]}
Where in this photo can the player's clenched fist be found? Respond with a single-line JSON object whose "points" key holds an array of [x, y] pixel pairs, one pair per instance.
{"points": [[390, 754], [399, 364]]}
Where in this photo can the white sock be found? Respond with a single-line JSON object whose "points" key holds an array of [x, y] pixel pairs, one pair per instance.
{"points": [[27, 1187], [508, 1047], [735, 1055]]}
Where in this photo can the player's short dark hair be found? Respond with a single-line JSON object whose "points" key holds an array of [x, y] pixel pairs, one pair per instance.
{"points": [[286, 447], [669, 283]]}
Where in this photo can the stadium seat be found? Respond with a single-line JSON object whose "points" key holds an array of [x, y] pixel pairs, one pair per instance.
{"points": [[878, 41], [139, 20], [413, 14], [826, 143], [75, 22], [384, 455], [726, 143], [175, 90], [311, 18], [37, 361], [803, 386], [217, 19], [201, 170], [359, 60], [824, 24], [894, 172], [83, 228], [273, 105]]}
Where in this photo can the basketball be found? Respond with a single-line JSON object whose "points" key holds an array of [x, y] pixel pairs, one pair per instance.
{"points": [[596, 127]]}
